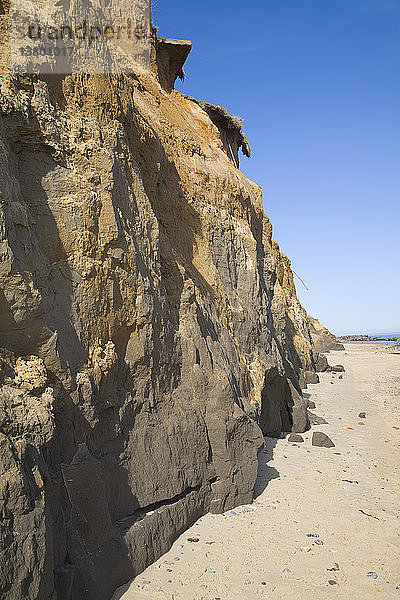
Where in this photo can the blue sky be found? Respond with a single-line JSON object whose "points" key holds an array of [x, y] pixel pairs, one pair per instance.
{"points": [[317, 83]]}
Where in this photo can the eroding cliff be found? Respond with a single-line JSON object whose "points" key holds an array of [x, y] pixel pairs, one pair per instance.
{"points": [[149, 326], [171, 55], [322, 339], [230, 130]]}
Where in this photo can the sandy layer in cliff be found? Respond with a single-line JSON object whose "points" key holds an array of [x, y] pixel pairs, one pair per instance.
{"points": [[307, 492]]}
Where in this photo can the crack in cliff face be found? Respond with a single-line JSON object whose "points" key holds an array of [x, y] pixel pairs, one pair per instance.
{"points": [[141, 513]]}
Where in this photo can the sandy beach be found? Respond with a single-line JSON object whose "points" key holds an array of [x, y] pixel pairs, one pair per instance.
{"points": [[325, 521]]}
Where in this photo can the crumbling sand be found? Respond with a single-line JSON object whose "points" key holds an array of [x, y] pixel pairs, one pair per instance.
{"points": [[307, 492]]}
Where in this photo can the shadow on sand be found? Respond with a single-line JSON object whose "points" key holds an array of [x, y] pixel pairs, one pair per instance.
{"points": [[121, 591], [265, 473]]}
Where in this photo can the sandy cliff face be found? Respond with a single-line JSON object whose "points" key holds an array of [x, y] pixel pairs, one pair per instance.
{"points": [[149, 327], [322, 339]]}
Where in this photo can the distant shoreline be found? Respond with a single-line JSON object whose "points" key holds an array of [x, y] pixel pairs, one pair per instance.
{"points": [[369, 338], [372, 342]]}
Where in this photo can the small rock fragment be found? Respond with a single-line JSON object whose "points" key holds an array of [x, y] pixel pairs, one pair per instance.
{"points": [[362, 415], [321, 440], [334, 568], [286, 570], [321, 363], [319, 542], [194, 540], [314, 535], [372, 575], [295, 437], [311, 377], [338, 369], [311, 404], [332, 582], [315, 419]]}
